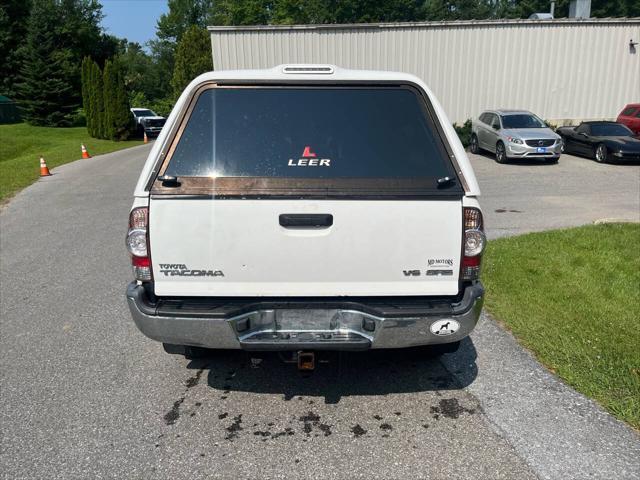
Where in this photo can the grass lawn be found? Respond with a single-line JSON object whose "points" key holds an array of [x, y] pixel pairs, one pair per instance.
{"points": [[573, 298], [21, 146]]}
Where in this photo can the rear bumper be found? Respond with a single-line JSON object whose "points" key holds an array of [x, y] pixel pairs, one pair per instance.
{"points": [[306, 325]]}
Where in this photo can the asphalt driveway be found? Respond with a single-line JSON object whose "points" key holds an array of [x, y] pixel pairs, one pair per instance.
{"points": [[527, 196], [85, 395]]}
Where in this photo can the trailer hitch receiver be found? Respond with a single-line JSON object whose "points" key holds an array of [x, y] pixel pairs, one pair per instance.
{"points": [[306, 361]]}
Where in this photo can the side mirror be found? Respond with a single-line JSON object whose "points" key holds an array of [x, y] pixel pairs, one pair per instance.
{"points": [[496, 127]]}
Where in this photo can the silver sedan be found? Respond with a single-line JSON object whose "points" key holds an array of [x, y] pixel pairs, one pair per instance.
{"points": [[513, 134]]}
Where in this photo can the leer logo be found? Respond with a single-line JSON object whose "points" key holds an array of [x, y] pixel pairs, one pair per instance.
{"points": [[307, 153], [309, 159]]}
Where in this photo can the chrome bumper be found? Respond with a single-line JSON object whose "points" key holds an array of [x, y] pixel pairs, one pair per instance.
{"points": [[304, 328]]}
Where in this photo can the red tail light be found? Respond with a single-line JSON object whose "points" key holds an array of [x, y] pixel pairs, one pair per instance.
{"points": [[473, 244], [138, 243]]}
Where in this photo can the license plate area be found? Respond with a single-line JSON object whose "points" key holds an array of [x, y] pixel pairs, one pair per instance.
{"points": [[305, 325], [310, 329], [541, 150]]}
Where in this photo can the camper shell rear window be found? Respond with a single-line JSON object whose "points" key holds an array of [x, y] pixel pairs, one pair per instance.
{"points": [[310, 141]]}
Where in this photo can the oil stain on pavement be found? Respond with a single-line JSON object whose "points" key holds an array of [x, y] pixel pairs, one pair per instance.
{"points": [[380, 402]]}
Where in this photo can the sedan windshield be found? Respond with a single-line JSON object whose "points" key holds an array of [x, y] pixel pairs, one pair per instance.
{"points": [[522, 120], [610, 130], [144, 113]]}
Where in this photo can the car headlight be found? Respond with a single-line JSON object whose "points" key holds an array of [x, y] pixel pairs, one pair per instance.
{"points": [[515, 140]]}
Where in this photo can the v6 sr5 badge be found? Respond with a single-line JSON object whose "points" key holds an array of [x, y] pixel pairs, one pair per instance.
{"points": [[437, 267]]}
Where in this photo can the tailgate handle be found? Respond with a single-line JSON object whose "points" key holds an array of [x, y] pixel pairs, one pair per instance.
{"points": [[306, 220]]}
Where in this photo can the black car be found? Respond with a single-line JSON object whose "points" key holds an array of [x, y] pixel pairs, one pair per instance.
{"points": [[604, 141]]}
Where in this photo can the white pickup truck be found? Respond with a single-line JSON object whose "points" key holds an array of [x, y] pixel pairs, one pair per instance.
{"points": [[306, 208]]}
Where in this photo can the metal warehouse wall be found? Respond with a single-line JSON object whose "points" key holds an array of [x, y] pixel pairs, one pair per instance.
{"points": [[560, 69]]}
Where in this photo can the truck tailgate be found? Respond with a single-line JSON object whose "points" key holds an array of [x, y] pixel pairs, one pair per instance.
{"points": [[239, 247]]}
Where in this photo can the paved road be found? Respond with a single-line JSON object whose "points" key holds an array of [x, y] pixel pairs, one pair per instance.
{"points": [[85, 395]]}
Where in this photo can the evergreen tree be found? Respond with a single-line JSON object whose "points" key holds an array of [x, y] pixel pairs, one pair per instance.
{"points": [[193, 57], [87, 95], [45, 94], [108, 93], [93, 97], [14, 15], [171, 27], [80, 33], [122, 119], [117, 116], [97, 101]]}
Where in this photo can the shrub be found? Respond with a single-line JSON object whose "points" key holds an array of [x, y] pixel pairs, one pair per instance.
{"points": [[138, 99], [162, 107], [79, 119], [464, 132]]}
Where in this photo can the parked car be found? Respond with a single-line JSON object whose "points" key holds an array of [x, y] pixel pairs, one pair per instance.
{"points": [[514, 134], [148, 121], [306, 208], [604, 141], [630, 116]]}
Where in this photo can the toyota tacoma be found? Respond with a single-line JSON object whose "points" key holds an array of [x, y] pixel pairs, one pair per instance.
{"points": [[306, 208]]}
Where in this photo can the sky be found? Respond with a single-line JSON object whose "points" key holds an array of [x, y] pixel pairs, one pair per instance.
{"points": [[134, 20]]}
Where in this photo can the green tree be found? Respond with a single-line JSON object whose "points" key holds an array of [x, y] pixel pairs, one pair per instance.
{"points": [[92, 97], [117, 116], [97, 101], [619, 8], [265, 12], [244, 12], [182, 14], [108, 94], [59, 34], [86, 94], [141, 74], [171, 26], [45, 94], [14, 15], [193, 57]]}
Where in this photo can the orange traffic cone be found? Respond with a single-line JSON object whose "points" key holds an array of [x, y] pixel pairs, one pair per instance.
{"points": [[44, 170], [85, 154], [146, 139]]}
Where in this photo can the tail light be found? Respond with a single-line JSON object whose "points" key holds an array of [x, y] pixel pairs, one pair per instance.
{"points": [[474, 242], [138, 243]]}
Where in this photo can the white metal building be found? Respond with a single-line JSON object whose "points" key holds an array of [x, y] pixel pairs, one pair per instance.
{"points": [[563, 70]]}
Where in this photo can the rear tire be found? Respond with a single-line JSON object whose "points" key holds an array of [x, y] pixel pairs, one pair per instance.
{"points": [[501, 153], [474, 146], [601, 154]]}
